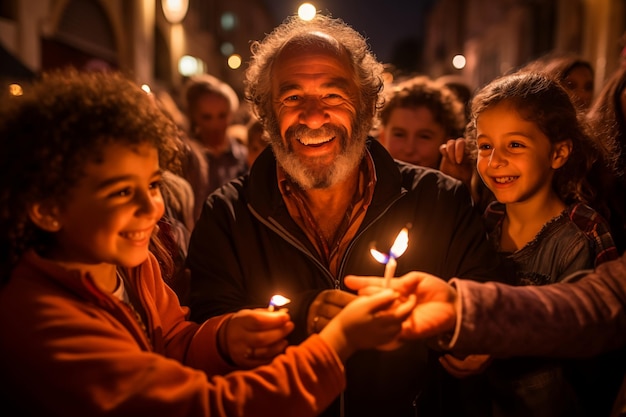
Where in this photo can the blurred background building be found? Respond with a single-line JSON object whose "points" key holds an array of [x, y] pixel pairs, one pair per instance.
{"points": [[163, 41]]}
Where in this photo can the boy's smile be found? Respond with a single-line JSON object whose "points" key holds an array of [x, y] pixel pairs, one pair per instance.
{"points": [[111, 213]]}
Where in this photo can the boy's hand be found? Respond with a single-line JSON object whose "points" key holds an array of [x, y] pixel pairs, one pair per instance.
{"points": [[253, 337], [367, 322]]}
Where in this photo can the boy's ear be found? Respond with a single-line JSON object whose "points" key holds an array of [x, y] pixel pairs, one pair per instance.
{"points": [[561, 152], [45, 216]]}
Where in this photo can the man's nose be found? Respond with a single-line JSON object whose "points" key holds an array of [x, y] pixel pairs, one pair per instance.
{"points": [[313, 113]]}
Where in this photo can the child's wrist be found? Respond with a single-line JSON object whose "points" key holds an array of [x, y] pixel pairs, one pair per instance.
{"points": [[334, 336], [222, 342]]}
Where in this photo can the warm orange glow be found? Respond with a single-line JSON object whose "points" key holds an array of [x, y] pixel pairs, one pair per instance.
{"points": [[277, 301]]}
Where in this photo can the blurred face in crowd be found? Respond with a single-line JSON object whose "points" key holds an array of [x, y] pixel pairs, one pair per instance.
{"points": [[579, 83], [315, 105], [211, 116], [412, 135]]}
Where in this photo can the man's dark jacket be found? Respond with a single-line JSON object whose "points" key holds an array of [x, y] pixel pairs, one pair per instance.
{"points": [[245, 247]]}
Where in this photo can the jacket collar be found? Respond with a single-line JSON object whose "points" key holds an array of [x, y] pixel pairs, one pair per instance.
{"points": [[74, 281]]}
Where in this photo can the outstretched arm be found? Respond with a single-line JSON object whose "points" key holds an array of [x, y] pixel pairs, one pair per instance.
{"points": [[579, 318]]}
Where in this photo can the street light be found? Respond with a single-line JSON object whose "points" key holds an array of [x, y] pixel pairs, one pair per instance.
{"points": [[459, 62], [306, 11], [175, 10]]}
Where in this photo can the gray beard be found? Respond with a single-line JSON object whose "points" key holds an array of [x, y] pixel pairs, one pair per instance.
{"points": [[310, 173]]}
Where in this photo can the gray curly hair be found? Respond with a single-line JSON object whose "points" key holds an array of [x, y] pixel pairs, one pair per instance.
{"points": [[366, 68]]}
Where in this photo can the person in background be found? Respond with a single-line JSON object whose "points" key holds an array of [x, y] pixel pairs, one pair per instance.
{"points": [[580, 317], [459, 86], [210, 105], [316, 202], [256, 142], [94, 331], [607, 117], [533, 155], [419, 115], [174, 228], [574, 73]]}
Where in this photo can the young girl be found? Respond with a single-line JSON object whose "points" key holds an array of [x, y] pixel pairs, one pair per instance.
{"points": [[533, 155], [89, 326]]}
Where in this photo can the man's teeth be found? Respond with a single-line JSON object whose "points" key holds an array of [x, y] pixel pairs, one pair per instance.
{"points": [[135, 235], [314, 140], [504, 180]]}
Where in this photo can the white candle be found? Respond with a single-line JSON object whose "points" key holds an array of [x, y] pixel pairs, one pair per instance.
{"points": [[390, 271]]}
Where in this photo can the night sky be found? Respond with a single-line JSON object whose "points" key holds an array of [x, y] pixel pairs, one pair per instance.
{"points": [[388, 24]]}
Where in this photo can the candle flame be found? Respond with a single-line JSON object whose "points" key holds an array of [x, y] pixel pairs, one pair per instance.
{"points": [[379, 256], [400, 244], [279, 301]]}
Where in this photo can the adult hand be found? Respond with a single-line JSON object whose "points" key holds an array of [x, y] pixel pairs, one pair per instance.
{"points": [[456, 161], [326, 305], [367, 322], [464, 367], [253, 337], [435, 310]]}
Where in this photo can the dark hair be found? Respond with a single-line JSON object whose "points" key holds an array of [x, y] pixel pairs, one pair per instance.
{"points": [[543, 101], [47, 136], [421, 91], [368, 71], [606, 117], [559, 66]]}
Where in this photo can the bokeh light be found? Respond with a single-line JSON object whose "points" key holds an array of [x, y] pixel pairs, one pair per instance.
{"points": [[190, 65], [227, 48], [234, 61], [15, 90], [306, 11], [228, 21], [459, 62]]}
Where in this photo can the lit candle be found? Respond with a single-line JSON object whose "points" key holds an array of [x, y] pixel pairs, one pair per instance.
{"points": [[277, 301], [397, 249]]}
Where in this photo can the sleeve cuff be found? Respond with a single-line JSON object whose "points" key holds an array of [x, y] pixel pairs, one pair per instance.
{"points": [[447, 340]]}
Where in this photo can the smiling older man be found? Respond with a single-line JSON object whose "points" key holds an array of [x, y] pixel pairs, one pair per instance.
{"points": [[315, 202]]}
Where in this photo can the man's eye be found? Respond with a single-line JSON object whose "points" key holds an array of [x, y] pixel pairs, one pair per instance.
{"points": [[291, 101], [333, 99]]}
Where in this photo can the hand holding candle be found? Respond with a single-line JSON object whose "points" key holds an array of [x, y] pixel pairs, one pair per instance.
{"points": [[397, 249]]}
